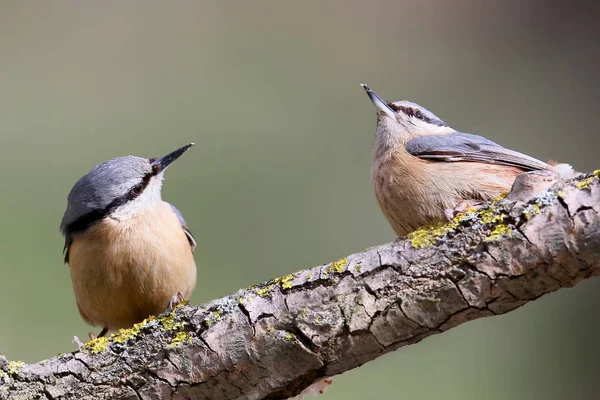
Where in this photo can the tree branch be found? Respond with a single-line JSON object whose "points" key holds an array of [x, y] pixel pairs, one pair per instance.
{"points": [[274, 339]]}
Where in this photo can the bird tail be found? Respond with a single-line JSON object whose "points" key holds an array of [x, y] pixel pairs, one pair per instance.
{"points": [[565, 171]]}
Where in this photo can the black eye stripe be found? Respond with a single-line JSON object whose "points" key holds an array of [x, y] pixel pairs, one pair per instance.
{"points": [[94, 216]]}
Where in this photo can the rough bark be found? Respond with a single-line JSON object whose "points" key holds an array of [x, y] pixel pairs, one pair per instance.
{"points": [[274, 339]]}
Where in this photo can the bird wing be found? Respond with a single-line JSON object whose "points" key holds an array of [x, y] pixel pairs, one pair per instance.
{"points": [[187, 231], [68, 242], [460, 146]]}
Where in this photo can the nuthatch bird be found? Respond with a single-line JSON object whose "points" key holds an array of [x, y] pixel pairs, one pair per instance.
{"points": [[424, 171], [130, 253]]}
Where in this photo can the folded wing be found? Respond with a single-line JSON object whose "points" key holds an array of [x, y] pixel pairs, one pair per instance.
{"points": [[467, 147], [187, 231]]}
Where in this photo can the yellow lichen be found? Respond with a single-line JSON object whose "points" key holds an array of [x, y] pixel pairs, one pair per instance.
{"points": [[318, 320], [337, 266], [270, 330], [14, 367], [97, 345], [585, 183], [597, 173], [534, 209], [560, 194], [285, 281], [217, 314], [127, 333], [489, 216], [180, 338], [499, 231], [241, 300], [262, 292], [213, 317], [358, 267], [289, 336], [427, 236], [181, 304], [168, 323]]}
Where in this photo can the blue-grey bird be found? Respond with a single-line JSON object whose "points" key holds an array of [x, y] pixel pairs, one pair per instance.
{"points": [[424, 170], [129, 252]]}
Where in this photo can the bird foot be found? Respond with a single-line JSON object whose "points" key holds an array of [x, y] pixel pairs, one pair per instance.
{"points": [[315, 389], [79, 343], [102, 333], [462, 207], [175, 301]]}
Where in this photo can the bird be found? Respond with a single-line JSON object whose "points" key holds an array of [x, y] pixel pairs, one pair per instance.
{"points": [[424, 172], [130, 254]]}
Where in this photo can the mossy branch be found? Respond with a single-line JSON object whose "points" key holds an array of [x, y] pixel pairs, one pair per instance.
{"points": [[275, 339]]}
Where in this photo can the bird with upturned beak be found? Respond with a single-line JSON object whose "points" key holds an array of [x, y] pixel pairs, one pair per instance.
{"points": [[424, 171], [130, 253]]}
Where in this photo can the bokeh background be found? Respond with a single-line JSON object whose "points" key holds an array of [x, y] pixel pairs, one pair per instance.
{"points": [[279, 178]]}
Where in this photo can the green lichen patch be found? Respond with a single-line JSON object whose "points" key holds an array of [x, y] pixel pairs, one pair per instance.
{"points": [[531, 210], [14, 367], [128, 333], [181, 337], [585, 183], [285, 282], [289, 336], [265, 290], [97, 345], [597, 173], [428, 235], [337, 266], [181, 304], [358, 267], [498, 232], [168, 323], [213, 317], [491, 215]]}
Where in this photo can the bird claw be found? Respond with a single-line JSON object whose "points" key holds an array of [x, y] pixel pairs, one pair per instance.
{"points": [[175, 301], [462, 207], [79, 343], [315, 389]]}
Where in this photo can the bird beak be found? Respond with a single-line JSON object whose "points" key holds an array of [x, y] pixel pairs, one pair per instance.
{"points": [[160, 164], [378, 102]]}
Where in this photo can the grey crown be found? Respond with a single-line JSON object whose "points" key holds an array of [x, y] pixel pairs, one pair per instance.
{"points": [[102, 186]]}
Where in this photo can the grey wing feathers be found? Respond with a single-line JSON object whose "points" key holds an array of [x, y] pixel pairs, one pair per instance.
{"points": [[68, 242], [467, 147], [187, 231]]}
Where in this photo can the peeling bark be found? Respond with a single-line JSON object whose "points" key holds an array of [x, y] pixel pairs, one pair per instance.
{"points": [[275, 339]]}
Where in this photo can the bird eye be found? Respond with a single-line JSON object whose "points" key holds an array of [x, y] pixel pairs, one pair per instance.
{"points": [[137, 190], [419, 114]]}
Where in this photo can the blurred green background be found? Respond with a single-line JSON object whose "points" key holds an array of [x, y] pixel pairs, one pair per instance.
{"points": [[279, 178]]}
